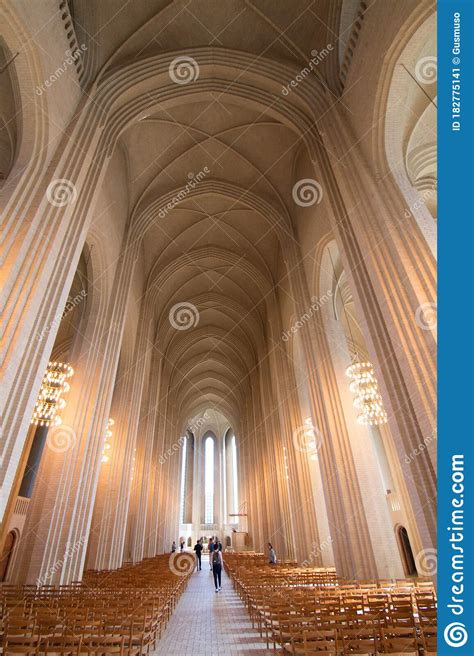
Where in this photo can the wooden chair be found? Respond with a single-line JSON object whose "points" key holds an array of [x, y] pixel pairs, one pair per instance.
{"points": [[359, 640], [321, 643], [62, 644], [429, 639], [399, 640], [21, 636]]}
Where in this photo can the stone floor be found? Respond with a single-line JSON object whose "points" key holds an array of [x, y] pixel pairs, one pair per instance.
{"points": [[205, 623]]}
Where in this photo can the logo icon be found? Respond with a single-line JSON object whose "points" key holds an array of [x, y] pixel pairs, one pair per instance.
{"points": [[183, 316], [307, 439], [181, 564], [426, 70], [61, 192], [427, 562], [455, 634], [184, 70], [426, 316], [307, 192], [61, 438]]}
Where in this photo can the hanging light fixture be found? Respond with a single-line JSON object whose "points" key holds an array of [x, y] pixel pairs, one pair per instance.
{"points": [[363, 384], [107, 444], [49, 400], [367, 399]]}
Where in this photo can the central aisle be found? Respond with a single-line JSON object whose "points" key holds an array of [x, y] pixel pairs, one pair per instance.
{"points": [[208, 623]]}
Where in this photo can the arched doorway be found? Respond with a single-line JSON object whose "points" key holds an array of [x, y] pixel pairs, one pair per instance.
{"points": [[7, 553], [406, 552]]}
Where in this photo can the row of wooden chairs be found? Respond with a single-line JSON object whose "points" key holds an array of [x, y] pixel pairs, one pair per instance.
{"points": [[309, 611], [116, 612]]}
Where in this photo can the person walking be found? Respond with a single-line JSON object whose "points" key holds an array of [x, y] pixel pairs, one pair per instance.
{"points": [[217, 563], [181, 545], [173, 547], [271, 554], [211, 549], [198, 550]]}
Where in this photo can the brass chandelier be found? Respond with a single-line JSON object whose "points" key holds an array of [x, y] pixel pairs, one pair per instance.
{"points": [[367, 399], [50, 399]]}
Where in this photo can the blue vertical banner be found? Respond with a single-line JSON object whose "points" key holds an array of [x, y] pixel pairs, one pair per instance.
{"points": [[456, 327]]}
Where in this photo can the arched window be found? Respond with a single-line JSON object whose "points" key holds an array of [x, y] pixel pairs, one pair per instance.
{"points": [[6, 556], [408, 559], [209, 481], [231, 477], [183, 482], [234, 473]]}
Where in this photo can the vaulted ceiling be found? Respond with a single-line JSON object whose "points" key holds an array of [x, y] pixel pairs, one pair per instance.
{"points": [[212, 259]]}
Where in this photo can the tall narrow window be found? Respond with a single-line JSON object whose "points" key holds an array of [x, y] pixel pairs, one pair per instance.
{"points": [[209, 482], [234, 475], [183, 482]]}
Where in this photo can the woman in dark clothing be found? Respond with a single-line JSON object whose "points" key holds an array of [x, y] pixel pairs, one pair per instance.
{"points": [[217, 562]]}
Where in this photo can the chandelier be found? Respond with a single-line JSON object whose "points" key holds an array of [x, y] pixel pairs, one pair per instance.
{"points": [[49, 400], [367, 397], [107, 445]]}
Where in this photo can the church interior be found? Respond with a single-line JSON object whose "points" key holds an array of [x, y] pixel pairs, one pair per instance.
{"points": [[218, 326]]}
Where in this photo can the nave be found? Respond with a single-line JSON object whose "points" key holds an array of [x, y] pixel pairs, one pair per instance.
{"points": [[218, 310], [208, 623]]}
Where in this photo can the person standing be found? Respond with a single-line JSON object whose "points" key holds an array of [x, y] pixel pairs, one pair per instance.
{"points": [[217, 563], [173, 547], [181, 545], [211, 549], [198, 550], [271, 554]]}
